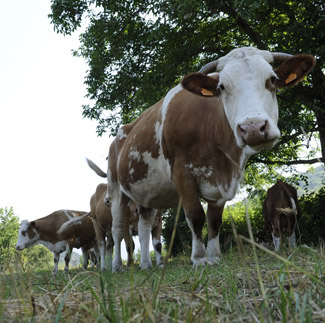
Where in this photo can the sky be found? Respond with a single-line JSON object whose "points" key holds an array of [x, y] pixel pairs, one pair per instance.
{"points": [[43, 137]]}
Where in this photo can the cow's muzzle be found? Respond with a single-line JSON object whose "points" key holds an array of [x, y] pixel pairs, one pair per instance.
{"points": [[256, 132]]}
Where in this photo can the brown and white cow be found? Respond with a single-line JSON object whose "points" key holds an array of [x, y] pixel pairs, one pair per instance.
{"points": [[46, 232], [195, 142], [281, 210], [102, 217]]}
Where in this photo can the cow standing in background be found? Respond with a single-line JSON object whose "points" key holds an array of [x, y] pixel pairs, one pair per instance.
{"points": [[281, 210], [195, 143], [46, 232], [102, 217]]}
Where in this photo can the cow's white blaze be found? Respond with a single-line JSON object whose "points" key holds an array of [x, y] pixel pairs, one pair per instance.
{"points": [[243, 75]]}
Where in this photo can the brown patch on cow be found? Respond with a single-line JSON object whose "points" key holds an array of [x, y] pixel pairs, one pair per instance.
{"points": [[201, 146], [142, 138], [141, 170]]}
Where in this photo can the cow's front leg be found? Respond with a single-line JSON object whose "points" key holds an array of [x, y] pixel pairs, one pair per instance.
{"points": [[187, 190], [156, 239], [67, 257], [85, 256], [118, 209], [291, 231], [146, 219], [276, 232], [56, 262], [214, 216], [100, 236]]}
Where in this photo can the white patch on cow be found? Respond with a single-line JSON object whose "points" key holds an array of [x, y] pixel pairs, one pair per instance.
{"points": [[145, 191], [121, 134], [131, 171], [205, 171], [66, 212], [294, 207], [164, 109], [59, 246], [213, 248]]}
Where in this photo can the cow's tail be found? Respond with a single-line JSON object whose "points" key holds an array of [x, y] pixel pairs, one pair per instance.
{"points": [[287, 210], [95, 168], [67, 226]]}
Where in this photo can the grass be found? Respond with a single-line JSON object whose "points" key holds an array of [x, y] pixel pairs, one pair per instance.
{"points": [[293, 284]]}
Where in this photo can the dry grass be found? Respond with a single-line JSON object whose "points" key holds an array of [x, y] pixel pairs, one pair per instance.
{"points": [[230, 292]]}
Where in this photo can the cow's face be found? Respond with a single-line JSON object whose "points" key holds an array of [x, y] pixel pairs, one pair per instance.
{"points": [[27, 235], [247, 83]]}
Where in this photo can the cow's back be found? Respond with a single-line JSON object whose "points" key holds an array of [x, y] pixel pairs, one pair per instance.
{"points": [[49, 226]]}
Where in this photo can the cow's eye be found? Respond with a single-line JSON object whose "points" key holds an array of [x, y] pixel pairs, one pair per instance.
{"points": [[23, 233], [273, 79], [221, 87]]}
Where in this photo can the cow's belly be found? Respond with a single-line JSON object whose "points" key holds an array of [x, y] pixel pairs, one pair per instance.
{"points": [[217, 194], [153, 192], [154, 189], [59, 246]]}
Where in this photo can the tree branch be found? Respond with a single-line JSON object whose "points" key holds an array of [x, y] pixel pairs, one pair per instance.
{"points": [[227, 7], [288, 163]]}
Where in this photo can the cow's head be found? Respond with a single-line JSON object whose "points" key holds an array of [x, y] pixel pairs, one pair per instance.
{"points": [[27, 235], [246, 83]]}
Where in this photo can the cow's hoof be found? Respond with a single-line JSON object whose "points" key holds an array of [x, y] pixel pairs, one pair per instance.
{"points": [[117, 269], [204, 261], [145, 266]]}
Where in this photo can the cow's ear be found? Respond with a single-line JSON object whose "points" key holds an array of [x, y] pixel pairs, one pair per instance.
{"points": [[293, 70], [201, 84]]}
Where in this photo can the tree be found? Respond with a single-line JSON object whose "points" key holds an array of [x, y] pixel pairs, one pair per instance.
{"points": [[37, 257], [138, 50], [9, 224]]}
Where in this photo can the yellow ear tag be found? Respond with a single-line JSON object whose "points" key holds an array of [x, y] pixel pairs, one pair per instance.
{"points": [[291, 77], [206, 92]]}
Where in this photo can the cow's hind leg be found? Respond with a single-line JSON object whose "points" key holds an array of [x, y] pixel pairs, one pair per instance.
{"points": [[156, 239], [85, 256], [214, 216], [118, 208], [100, 236], [56, 262], [276, 232], [146, 219], [67, 257], [291, 231]]}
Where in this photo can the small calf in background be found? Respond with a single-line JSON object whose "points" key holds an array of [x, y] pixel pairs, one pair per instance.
{"points": [[281, 210], [46, 232]]}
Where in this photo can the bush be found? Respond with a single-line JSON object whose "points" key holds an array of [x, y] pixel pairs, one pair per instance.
{"points": [[312, 223]]}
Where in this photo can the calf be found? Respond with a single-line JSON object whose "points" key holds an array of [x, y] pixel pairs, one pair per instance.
{"points": [[45, 231], [281, 210], [101, 213]]}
